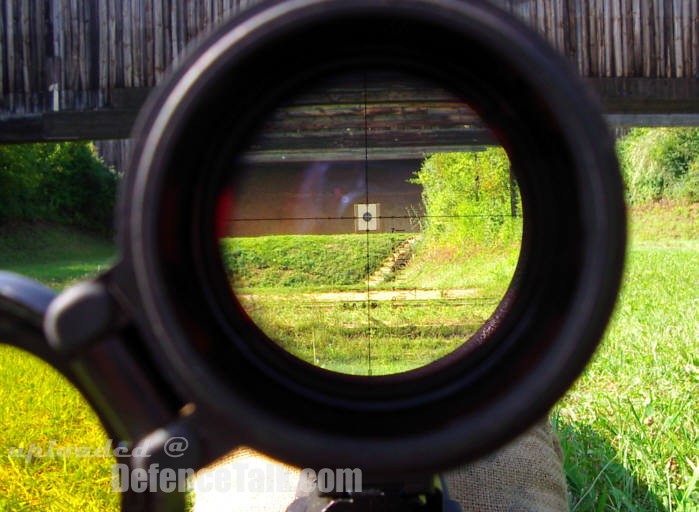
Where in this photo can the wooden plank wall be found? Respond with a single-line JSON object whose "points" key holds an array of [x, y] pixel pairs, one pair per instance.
{"points": [[619, 38], [72, 54]]}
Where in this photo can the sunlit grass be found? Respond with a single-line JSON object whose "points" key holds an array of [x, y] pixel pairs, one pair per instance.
{"points": [[487, 270], [378, 328], [39, 408], [629, 427], [370, 337], [42, 411], [305, 261], [56, 255]]}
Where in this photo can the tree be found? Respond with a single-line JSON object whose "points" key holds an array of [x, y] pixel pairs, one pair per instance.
{"points": [[468, 197], [660, 163], [65, 183]]}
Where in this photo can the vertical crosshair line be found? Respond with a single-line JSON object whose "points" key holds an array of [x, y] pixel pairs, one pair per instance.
{"points": [[366, 202]]}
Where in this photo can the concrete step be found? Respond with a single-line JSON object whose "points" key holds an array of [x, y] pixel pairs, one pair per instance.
{"points": [[393, 265]]}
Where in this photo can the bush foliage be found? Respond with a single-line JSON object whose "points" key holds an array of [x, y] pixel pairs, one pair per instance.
{"points": [[469, 198], [660, 163], [65, 183]]}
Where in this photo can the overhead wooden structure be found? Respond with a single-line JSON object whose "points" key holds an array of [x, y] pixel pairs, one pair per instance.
{"points": [[376, 116], [80, 69]]}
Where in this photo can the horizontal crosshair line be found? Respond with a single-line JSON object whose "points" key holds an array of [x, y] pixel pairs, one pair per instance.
{"points": [[380, 217]]}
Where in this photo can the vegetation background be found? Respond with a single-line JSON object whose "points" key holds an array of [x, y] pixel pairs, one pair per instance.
{"points": [[64, 183], [660, 164], [471, 199]]}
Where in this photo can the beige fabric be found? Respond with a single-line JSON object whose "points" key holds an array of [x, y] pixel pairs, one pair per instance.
{"points": [[525, 475], [245, 481]]}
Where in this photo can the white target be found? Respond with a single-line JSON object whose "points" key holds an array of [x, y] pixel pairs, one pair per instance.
{"points": [[366, 217]]}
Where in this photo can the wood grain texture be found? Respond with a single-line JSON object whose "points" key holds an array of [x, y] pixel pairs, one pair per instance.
{"points": [[72, 54]]}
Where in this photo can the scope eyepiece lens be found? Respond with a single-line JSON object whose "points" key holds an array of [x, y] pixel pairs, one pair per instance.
{"points": [[373, 224]]}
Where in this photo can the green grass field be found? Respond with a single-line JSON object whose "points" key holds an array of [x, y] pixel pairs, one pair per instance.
{"points": [[629, 427], [38, 407], [308, 262], [54, 255], [324, 311]]}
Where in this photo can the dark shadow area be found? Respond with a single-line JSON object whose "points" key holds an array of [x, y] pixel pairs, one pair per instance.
{"points": [[597, 481]]}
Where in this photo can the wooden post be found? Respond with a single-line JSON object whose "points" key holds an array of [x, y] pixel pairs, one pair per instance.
{"points": [[26, 58], [513, 195], [9, 27], [159, 40], [148, 43], [694, 38], [137, 42], [677, 40], [583, 21], [3, 47], [103, 43], [126, 43]]}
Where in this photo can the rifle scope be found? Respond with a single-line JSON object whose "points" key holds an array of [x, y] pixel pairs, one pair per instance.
{"points": [[311, 117]]}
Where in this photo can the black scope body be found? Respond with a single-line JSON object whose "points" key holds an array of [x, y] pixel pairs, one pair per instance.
{"points": [[161, 346]]}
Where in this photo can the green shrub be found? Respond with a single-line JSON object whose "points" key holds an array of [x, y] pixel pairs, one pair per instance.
{"points": [[469, 198], [19, 181], [660, 163], [65, 183]]}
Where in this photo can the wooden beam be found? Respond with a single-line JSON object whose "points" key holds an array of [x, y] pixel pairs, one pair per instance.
{"points": [[627, 102], [67, 125], [643, 96], [349, 155], [341, 139], [653, 120]]}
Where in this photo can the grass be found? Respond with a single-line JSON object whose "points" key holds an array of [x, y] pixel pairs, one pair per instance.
{"points": [[366, 333], [369, 337], [489, 271], [308, 261], [38, 407], [629, 426], [56, 255], [665, 222]]}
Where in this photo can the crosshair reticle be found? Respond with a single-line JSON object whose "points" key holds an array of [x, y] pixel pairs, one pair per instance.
{"points": [[372, 226]]}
